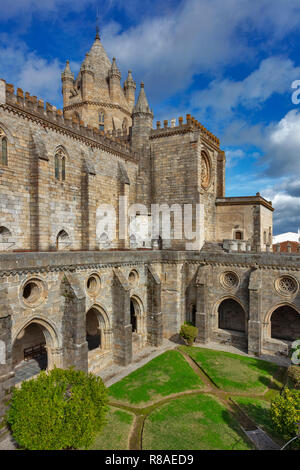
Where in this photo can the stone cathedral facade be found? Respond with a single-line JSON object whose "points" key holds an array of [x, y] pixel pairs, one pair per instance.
{"points": [[72, 296]]}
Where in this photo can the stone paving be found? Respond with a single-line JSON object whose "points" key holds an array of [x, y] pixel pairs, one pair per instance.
{"points": [[7, 443], [28, 369], [261, 440]]}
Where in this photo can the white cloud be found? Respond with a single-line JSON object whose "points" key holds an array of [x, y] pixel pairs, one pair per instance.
{"points": [[222, 97], [283, 145], [287, 210], [167, 51], [32, 73]]}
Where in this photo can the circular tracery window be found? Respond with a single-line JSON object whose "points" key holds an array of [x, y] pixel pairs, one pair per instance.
{"points": [[205, 171], [33, 292], [286, 285], [93, 284], [229, 280], [133, 277]]}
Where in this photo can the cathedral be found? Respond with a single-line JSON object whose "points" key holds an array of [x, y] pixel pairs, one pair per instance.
{"points": [[72, 295]]}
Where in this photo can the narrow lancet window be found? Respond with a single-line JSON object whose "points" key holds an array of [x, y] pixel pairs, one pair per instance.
{"points": [[3, 148], [63, 168], [57, 167]]}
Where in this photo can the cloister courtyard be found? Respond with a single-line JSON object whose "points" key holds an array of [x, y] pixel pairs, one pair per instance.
{"points": [[194, 398]]}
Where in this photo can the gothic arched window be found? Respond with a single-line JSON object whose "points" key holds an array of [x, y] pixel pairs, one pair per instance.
{"points": [[63, 168], [56, 167], [60, 165], [3, 148], [101, 121]]}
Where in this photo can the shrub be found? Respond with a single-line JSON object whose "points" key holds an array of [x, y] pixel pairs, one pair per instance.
{"points": [[285, 413], [60, 409], [189, 333], [294, 375]]}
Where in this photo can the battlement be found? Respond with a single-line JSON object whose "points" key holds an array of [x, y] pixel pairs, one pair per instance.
{"points": [[117, 140], [190, 125]]}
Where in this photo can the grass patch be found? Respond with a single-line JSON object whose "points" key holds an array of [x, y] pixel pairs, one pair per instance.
{"points": [[232, 372], [259, 411], [166, 374], [198, 422], [115, 434]]}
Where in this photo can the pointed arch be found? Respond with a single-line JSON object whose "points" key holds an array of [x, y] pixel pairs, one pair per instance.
{"points": [[283, 322], [231, 314], [63, 241], [101, 117], [98, 329], [37, 338], [3, 148], [60, 158], [6, 239]]}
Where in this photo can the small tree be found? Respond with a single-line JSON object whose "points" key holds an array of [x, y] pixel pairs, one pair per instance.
{"points": [[285, 413], [189, 332], [60, 409]]}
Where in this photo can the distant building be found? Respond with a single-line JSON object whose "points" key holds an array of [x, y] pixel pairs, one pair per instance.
{"points": [[288, 242], [287, 237]]}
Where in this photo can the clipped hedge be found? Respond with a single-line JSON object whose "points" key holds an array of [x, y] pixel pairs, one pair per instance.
{"points": [[189, 332], [60, 409]]}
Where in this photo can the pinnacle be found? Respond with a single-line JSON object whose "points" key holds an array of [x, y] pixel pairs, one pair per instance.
{"points": [[142, 105]]}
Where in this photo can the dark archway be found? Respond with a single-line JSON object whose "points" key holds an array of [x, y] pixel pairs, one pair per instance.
{"points": [[285, 323], [93, 332], [133, 317], [29, 352], [231, 316]]}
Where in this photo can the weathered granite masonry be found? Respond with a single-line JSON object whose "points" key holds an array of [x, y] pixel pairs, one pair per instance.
{"points": [[73, 296]]}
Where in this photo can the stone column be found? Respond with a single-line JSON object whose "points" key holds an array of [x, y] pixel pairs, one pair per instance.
{"points": [[6, 367], [202, 314], [122, 226], [154, 314], [255, 313], [39, 195], [122, 328], [88, 206], [74, 324]]}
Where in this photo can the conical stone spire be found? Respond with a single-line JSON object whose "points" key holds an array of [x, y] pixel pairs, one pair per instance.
{"points": [[114, 71], [67, 73], [99, 61], [86, 65], [129, 82], [142, 105]]}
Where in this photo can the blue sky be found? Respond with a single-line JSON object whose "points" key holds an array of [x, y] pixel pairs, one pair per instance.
{"points": [[229, 63]]}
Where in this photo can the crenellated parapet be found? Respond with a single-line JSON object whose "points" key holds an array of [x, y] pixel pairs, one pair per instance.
{"points": [[191, 124], [22, 103]]}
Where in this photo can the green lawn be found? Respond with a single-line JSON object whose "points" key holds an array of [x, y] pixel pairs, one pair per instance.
{"points": [[194, 422], [115, 434], [164, 375], [232, 372], [259, 411]]}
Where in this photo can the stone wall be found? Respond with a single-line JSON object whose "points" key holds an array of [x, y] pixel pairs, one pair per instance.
{"points": [[165, 287], [34, 205]]}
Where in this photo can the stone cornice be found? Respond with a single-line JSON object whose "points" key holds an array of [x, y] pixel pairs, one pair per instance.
{"points": [[73, 130], [184, 129], [244, 201], [103, 104], [34, 263]]}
